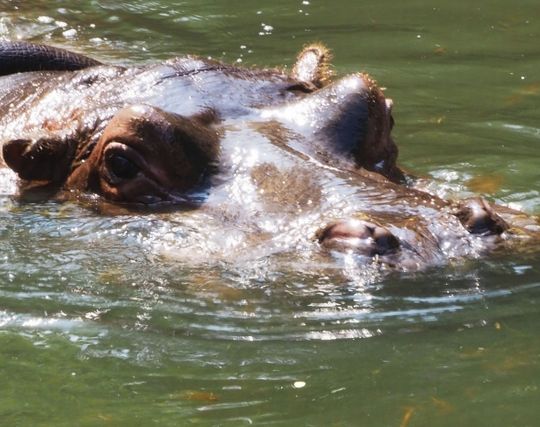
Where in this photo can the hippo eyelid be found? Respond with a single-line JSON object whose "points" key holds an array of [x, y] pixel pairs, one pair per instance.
{"points": [[120, 147]]}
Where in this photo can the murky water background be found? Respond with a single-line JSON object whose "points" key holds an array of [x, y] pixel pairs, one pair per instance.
{"points": [[101, 325]]}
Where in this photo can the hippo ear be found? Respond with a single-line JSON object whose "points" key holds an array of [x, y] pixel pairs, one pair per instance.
{"points": [[206, 117], [45, 159], [313, 65]]}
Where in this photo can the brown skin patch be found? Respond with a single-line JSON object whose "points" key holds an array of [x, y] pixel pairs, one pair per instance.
{"points": [[53, 125], [278, 135], [293, 188]]}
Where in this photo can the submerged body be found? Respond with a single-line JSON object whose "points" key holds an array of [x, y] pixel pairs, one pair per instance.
{"points": [[289, 162]]}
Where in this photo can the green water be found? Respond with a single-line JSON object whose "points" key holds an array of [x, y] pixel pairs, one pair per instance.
{"points": [[97, 327]]}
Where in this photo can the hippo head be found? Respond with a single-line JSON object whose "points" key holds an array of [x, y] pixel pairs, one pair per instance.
{"points": [[144, 156]]}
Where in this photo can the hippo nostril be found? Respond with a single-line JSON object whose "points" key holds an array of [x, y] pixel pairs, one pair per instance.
{"points": [[14, 152], [345, 230], [385, 241], [479, 218], [362, 237]]}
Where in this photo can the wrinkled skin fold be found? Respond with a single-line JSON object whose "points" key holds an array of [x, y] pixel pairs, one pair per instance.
{"points": [[265, 146]]}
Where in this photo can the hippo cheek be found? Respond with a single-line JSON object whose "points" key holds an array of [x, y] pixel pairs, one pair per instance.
{"points": [[362, 237]]}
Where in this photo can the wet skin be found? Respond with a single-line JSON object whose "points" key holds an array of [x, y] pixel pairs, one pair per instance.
{"points": [[262, 149], [62, 114]]}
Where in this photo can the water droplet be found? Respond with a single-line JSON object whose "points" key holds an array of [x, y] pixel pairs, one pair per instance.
{"points": [[45, 19], [69, 34]]}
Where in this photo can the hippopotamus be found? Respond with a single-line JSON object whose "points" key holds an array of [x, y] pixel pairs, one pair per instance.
{"points": [[285, 156]]}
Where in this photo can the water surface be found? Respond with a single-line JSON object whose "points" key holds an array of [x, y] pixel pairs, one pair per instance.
{"points": [[101, 323]]}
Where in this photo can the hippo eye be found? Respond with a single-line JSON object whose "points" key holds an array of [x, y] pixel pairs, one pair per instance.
{"points": [[121, 166]]}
